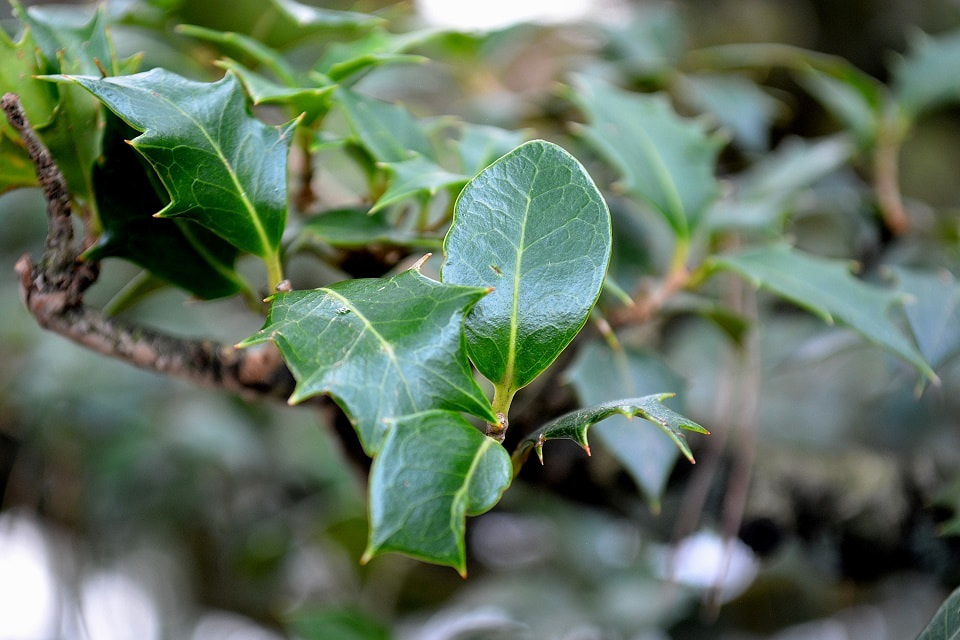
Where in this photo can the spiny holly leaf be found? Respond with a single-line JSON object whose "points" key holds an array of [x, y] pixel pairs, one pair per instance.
{"points": [[534, 227], [355, 228], [599, 373], [574, 425], [177, 251], [389, 132], [223, 168], [945, 624], [826, 287], [855, 99], [737, 103], [382, 347], [433, 470], [932, 310], [346, 62], [663, 159], [312, 102], [926, 78], [416, 176]]}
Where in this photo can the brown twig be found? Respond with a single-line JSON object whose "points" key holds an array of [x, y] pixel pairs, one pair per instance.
{"points": [[53, 293]]}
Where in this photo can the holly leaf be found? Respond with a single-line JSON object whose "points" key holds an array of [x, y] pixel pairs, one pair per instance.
{"points": [[433, 470], [533, 227], [574, 425], [663, 159], [388, 132], [312, 102], [178, 251], [223, 168], [926, 77], [945, 624], [932, 309], [737, 103], [381, 347], [355, 229], [599, 373], [480, 145], [416, 176], [827, 288]]}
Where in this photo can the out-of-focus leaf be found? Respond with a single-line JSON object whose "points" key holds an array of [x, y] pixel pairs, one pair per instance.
{"points": [[480, 145], [926, 77], [945, 624], [827, 288], [856, 102], [16, 169], [178, 251], [533, 227], [389, 132], [223, 168], [355, 228], [765, 193], [598, 374], [663, 159], [416, 176], [312, 102], [337, 624], [433, 470], [737, 103], [651, 43], [932, 299], [18, 65], [346, 62], [381, 347], [250, 48], [574, 425]]}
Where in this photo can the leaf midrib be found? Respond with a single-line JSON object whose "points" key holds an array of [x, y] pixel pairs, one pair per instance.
{"points": [[509, 374]]}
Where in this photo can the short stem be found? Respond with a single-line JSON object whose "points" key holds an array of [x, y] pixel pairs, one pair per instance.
{"points": [[274, 270], [502, 398], [886, 175]]}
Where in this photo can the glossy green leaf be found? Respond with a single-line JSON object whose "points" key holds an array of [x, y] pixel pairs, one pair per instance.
{"points": [[827, 288], [926, 78], [178, 251], [382, 347], [945, 624], [416, 176], [534, 227], [223, 168], [663, 159], [600, 373], [312, 102], [355, 228], [434, 469], [574, 425], [389, 132]]}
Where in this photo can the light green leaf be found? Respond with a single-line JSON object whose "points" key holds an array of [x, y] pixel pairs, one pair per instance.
{"points": [[434, 469], [932, 306], [249, 47], [598, 374], [346, 62], [926, 78], [479, 145], [737, 103], [381, 347], [827, 288], [945, 624], [534, 227], [663, 159], [312, 102], [223, 168], [389, 132], [355, 228], [574, 425], [416, 176], [856, 100]]}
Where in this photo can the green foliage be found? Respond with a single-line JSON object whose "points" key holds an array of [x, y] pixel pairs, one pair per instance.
{"points": [[945, 624]]}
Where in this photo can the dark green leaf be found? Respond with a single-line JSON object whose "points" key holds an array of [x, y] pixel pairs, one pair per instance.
{"points": [[534, 227], [826, 287], [416, 176], [178, 251], [389, 132], [223, 168], [355, 228], [945, 624], [663, 159], [574, 425], [382, 347], [598, 374], [434, 469], [337, 624], [927, 77]]}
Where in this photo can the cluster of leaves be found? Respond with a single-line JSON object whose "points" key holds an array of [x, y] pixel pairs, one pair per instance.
{"points": [[525, 232]]}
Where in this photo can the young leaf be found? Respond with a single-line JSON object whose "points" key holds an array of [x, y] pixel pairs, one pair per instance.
{"points": [[177, 251], [827, 288], [598, 374], [382, 347], [387, 131], [534, 227], [574, 425], [663, 159], [433, 470], [416, 176], [945, 624], [223, 168]]}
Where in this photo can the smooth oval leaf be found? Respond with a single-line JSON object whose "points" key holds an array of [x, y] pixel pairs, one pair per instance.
{"points": [[223, 168], [434, 469], [382, 347], [574, 425], [534, 227]]}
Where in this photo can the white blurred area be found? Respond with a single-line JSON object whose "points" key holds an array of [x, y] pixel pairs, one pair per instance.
{"points": [[490, 15], [47, 594]]}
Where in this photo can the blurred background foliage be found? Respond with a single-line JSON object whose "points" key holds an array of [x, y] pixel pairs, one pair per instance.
{"points": [[231, 518]]}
